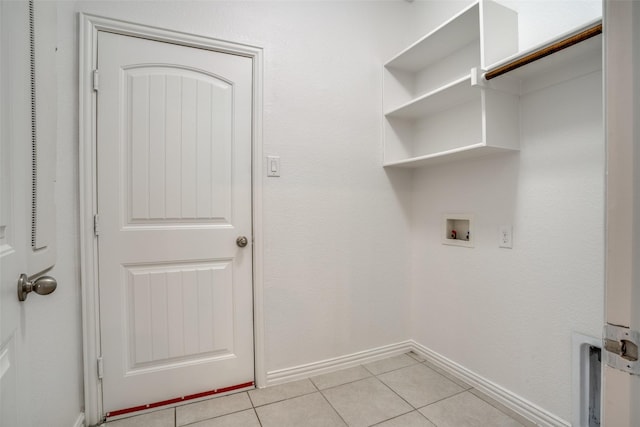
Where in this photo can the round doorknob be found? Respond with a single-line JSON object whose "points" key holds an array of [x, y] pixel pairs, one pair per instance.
{"points": [[242, 241], [42, 286]]}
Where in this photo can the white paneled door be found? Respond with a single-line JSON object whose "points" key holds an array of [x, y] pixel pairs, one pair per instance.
{"points": [[174, 195], [15, 213]]}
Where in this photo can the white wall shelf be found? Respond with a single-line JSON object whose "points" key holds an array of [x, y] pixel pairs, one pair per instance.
{"points": [[443, 98], [433, 112], [449, 37], [466, 152]]}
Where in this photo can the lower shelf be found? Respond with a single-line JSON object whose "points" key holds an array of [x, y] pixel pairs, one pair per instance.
{"points": [[467, 152]]}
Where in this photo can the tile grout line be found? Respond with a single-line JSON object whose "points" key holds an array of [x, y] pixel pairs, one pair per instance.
{"points": [[332, 407], [251, 400], [448, 376], [418, 409], [467, 391], [437, 401], [329, 403], [284, 399], [396, 393], [492, 402], [393, 391], [415, 357], [218, 416], [442, 400], [415, 362], [317, 390], [349, 382], [314, 384], [401, 415], [371, 374], [257, 416]]}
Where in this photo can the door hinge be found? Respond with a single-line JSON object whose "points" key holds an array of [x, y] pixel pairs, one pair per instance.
{"points": [[96, 225], [621, 348], [100, 368], [96, 80]]}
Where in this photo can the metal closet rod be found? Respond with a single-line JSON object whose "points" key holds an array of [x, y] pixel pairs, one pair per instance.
{"points": [[545, 51]]}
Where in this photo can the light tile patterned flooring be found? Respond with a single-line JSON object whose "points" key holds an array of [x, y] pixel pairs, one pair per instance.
{"points": [[400, 391]]}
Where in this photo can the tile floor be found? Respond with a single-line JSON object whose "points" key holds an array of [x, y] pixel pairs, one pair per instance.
{"points": [[400, 391]]}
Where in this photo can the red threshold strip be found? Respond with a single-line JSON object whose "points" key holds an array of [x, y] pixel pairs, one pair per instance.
{"points": [[177, 400]]}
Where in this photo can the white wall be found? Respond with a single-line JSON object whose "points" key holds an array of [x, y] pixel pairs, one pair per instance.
{"points": [[338, 267], [542, 20], [508, 314], [538, 20], [336, 254]]}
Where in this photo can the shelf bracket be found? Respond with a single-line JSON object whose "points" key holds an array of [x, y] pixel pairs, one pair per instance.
{"points": [[477, 79], [506, 84]]}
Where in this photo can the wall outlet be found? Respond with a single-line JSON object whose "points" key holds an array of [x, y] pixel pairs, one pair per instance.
{"points": [[505, 236]]}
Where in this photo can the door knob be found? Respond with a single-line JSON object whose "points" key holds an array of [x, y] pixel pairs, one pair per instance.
{"points": [[42, 286], [242, 241]]}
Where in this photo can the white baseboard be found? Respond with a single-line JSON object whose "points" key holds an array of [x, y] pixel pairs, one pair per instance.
{"points": [[79, 421], [512, 401], [501, 395], [342, 362]]}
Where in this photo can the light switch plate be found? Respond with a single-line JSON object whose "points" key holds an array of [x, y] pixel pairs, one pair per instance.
{"points": [[273, 166]]}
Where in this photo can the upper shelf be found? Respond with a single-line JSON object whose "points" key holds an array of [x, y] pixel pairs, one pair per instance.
{"points": [[454, 34]]}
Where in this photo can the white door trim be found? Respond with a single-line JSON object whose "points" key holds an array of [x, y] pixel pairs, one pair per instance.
{"points": [[89, 26]]}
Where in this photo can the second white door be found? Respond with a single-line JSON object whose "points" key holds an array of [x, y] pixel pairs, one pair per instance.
{"points": [[174, 194]]}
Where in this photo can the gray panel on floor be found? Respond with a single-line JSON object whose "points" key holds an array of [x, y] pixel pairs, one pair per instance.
{"points": [[390, 364], [412, 419], [162, 418], [211, 408], [466, 410], [366, 402], [337, 378], [311, 410], [246, 418], [280, 392], [420, 385]]}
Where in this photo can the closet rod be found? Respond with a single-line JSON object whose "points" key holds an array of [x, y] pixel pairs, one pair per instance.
{"points": [[545, 51]]}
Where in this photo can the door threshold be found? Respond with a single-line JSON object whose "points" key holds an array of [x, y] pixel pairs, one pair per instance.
{"points": [[121, 413]]}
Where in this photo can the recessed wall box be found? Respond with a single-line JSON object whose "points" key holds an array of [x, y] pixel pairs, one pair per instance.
{"points": [[457, 230]]}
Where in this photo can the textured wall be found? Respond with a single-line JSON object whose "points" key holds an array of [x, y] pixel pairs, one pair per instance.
{"points": [[508, 314], [338, 265], [335, 228]]}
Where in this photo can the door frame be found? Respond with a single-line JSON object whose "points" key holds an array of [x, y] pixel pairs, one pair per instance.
{"points": [[621, 295], [89, 26]]}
